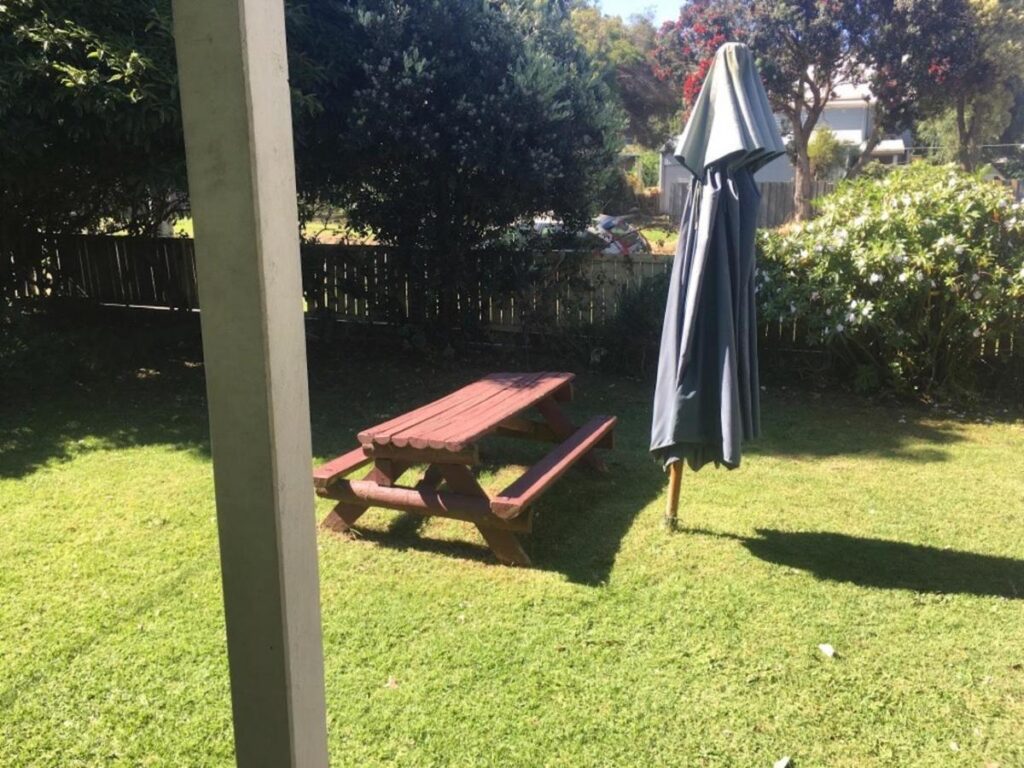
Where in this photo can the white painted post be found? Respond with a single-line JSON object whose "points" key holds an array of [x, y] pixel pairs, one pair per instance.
{"points": [[235, 105]]}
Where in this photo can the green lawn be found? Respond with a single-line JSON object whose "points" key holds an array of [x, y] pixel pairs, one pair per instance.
{"points": [[895, 535]]}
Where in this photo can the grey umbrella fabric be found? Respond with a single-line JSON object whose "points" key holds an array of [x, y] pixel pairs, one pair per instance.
{"points": [[706, 398]]}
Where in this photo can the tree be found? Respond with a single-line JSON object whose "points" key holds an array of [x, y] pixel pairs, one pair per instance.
{"points": [[435, 124], [89, 130], [827, 154], [903, 47], [974, 83], [620, 51], [453, 123], [804, 49]]}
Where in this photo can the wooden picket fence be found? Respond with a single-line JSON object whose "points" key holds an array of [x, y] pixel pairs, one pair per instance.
{"points": [[358, 284], [537, 293]]}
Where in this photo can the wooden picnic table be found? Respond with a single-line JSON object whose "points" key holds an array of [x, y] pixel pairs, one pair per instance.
{"points": [[444, 436]]}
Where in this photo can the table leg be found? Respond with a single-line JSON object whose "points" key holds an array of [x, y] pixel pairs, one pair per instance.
{"points": [[344, 515], [563, 428], [503, 543]]}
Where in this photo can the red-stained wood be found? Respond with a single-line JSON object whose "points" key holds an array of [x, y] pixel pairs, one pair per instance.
{"points": [[563, 428], [417, 414], [420, 501], [454, 419], [469, 456], [511, 501], [504, 544], [327, 473], [343, 516], [486, 419], [461, 480], [442, 434], [454, 422], [520, 426], [387, 471]]}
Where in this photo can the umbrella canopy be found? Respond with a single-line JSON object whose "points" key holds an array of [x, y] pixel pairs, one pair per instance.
{"points": [[706, 400]]}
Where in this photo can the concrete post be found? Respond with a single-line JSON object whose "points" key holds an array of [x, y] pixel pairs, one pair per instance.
{"points": [[235, 104]]}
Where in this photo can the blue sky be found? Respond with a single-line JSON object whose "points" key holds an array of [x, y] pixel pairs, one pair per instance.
{"points": [[663, 9]]}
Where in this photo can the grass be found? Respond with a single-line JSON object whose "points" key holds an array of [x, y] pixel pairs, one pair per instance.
{"points": [[896, 535], [660, 232]]}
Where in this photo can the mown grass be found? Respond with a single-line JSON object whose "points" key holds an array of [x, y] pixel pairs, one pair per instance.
{"points": [[896, 535]]}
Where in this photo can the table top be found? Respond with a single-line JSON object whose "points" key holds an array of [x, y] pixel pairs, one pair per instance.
{"points": [[454, 422]]}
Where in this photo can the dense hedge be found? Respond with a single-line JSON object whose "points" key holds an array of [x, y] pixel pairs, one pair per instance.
{"points": [[902, 276]]}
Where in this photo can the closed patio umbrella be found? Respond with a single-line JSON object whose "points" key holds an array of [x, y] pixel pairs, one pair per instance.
{"points": [[706, 399]]}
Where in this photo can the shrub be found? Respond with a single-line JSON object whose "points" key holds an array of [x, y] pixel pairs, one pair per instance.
{"points": [[902, 276]]}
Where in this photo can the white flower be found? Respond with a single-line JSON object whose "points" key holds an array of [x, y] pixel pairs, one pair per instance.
{"points": [[976, 294], [976, 333], [919, 275], [851, 317], [903, 277], [958, 250], [875, 278], [853, 304], [815, 295], [975, 277], [840, 328]]}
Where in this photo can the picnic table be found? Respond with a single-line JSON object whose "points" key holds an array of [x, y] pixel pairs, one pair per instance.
{"points": [[444, 436]]}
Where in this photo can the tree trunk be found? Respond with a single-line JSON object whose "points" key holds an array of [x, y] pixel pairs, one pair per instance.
{"points": [[964, 154], [801, 178], [865, 156]]}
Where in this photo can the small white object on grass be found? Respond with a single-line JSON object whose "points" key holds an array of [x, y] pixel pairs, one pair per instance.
{"points": [[827, 649], [784, 762]]}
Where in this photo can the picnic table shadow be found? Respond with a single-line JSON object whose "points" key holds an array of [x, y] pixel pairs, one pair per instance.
{"points": [[884, 564]]}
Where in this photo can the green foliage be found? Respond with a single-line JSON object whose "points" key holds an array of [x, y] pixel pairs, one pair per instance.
{"points": [[485, 117], [89, 127], [628, 343], [827, 154], [621, 51], [903, 276], [435, 123]]}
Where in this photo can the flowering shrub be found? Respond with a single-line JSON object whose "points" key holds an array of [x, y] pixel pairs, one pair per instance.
{"points": [[903, 275]]}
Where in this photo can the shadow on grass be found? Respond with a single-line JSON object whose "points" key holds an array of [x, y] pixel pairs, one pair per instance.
{"points": [[148, 406], [884, 564], [579, 523]]}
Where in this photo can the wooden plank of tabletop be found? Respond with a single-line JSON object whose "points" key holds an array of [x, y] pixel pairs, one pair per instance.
{"points": [[483, 420], [411, 433]]}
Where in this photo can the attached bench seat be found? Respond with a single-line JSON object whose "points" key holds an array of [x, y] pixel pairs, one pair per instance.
{"points": [[327, 473], [520, 494]]}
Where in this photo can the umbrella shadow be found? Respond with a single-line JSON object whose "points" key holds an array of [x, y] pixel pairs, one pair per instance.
{"points": [[885, 564]]}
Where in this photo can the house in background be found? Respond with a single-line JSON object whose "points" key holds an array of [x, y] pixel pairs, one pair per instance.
{"points": [[849, 115]]}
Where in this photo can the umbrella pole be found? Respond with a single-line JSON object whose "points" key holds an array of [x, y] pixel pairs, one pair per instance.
{"points": [[675, 476]]}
